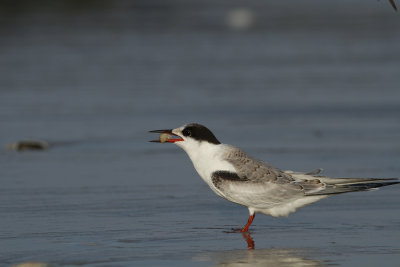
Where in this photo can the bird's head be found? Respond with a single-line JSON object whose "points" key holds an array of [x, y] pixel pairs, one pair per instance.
{"points": [[188, 137]]}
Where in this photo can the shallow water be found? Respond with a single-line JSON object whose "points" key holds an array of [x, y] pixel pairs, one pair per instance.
{"points": [[306, 85]]}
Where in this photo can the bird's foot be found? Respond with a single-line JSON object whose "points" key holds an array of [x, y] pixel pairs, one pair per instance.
{"points": [[237, 230], [245, 229]]}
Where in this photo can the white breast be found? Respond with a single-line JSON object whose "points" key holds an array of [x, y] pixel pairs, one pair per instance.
{"points": [[208, 158]]}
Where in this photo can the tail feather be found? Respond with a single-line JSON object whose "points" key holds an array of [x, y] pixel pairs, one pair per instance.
{"points": [[344, 185], [346, 181]]}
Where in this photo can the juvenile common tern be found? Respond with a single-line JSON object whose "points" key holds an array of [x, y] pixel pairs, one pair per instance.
{"points": [[253, 183]]}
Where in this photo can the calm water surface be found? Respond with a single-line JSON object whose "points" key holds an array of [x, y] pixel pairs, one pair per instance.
{"points": [[300, 85]]}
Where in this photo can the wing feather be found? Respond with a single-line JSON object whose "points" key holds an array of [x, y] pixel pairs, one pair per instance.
{"points": [[260, 172]]}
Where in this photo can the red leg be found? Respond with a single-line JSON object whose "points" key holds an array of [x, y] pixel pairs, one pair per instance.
{"points": [[246, 227]]}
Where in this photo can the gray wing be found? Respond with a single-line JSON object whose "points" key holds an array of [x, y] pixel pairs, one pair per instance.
{"points": [[258, 172], [310, 184]]}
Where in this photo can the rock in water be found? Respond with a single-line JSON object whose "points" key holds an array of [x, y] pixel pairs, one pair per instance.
{"points": [[28, 145]]}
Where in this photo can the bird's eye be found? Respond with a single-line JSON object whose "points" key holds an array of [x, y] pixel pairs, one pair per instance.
{"points": [[186, 132]]}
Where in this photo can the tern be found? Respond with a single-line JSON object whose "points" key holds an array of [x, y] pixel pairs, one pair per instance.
{"points": [[256, 184]]}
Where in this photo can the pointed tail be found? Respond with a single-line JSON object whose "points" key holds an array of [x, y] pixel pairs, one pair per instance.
{"points": [[344, 185]]}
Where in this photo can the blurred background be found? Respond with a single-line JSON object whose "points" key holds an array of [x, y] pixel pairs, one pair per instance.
{"points": [[300, 84]]}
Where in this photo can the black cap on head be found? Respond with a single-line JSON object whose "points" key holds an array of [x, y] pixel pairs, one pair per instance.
{"points": [[200, 132]]}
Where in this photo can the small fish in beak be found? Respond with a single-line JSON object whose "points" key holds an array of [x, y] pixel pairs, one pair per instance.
{"points": [[165, 136]]}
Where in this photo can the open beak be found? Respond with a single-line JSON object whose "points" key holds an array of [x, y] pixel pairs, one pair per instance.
{"points": [[165, 136]]}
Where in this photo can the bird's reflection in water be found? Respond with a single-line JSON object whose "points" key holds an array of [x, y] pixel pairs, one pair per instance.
{"points": [[247, 237], [261, 257], [249, 240]]}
